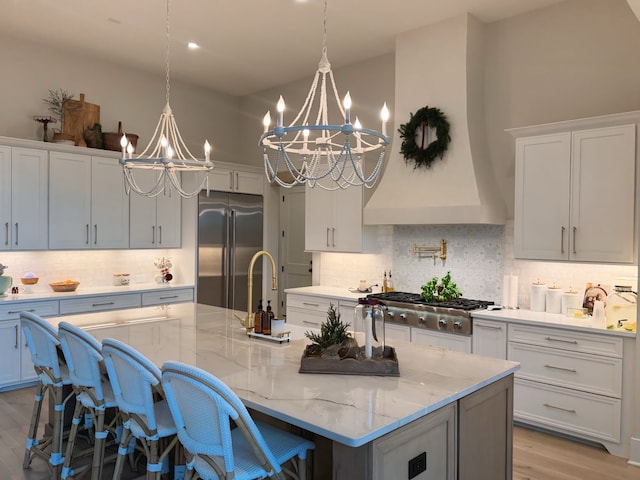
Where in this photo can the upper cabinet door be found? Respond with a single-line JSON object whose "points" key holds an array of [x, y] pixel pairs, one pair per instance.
{"points": [[69, 201], [109, 205], [541, 216], [5, 198], [602, 194], [29, 199]]}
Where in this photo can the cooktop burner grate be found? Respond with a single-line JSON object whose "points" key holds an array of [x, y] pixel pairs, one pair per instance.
{"points": [[416, 299]]}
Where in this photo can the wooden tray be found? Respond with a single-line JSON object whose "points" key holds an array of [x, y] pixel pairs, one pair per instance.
{"points": [[385, 366], [78, 116]]}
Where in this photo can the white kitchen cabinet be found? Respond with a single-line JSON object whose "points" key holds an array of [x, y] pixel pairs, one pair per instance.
{"points": [[570, 382], [232, 180], [308, 310], [15, 357], [575, 195], [489, 338], [69, 306], [169, 295], [154, 222], [448, 341], [393, 332], [23, 198], [88, 206], [333, 219]]}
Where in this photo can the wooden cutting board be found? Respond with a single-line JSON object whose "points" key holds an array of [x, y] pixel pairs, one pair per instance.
{"points": [[78, 116]]}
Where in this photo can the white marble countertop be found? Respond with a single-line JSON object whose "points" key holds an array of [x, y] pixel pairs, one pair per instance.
{"points": [[44, 292], [555, 320], [341, 293], [350, 409]]}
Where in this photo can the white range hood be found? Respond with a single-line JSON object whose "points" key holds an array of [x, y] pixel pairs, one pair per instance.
{"points": [[440, 66]]}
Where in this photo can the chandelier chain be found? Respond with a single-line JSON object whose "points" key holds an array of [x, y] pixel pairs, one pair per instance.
{"points": [[167, 67], [324, 29]]}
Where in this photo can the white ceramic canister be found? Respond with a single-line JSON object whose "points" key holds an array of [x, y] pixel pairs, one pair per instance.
{"points": [[537, 295], [553, 299], [570, 299]]}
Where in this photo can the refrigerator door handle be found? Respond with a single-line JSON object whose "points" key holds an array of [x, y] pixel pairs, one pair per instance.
{"points": [[225, 260], [232, 247]]}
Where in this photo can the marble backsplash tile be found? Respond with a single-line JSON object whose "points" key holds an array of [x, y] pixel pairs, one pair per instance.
{"points": [[477, 255]]}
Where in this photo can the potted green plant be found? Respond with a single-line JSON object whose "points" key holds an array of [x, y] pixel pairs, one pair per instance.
{"points": [[55, 102]]}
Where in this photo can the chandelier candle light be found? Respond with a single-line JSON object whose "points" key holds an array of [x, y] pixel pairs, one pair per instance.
{"points": [[166, 154], [321, 154]]}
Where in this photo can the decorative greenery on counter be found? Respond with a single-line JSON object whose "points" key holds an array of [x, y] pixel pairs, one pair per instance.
{"points": [[332, 331], [423, 155], [444, 291], [55, 101]]}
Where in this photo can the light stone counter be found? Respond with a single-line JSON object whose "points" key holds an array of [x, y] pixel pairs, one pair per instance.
{"points": [[339, 293], [350, 409], [557, 320]]}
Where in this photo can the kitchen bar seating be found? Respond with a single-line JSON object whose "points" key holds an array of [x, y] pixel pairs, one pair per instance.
{"points": [[138, 393], [203, 408], [42, 340], [83, 354]]}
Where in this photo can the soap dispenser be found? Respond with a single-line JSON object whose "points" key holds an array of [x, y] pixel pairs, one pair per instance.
{"points": [[266, 319], [258, 319]]}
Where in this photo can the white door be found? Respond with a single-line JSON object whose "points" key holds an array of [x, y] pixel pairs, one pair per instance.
{"points": [[295, 262], [109, 205]]}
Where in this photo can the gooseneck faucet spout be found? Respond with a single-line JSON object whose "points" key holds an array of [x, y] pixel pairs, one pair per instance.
{"points": [[247, 322]]}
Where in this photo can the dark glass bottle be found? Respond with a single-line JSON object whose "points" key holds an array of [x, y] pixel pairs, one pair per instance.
{"points": [[266, 324], [258, 319]]}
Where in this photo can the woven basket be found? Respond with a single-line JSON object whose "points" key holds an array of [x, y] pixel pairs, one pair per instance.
{"points": [[111, 140], [64, 286]]}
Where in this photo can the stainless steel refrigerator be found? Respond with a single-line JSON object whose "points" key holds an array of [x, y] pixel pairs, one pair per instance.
{"points": [[229, 234]]}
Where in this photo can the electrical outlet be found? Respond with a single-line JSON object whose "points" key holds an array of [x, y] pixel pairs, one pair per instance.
{"points": [[417, 465]]}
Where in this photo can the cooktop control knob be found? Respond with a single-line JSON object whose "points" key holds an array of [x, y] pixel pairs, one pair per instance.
{"points": [[457, 325], [442, 322], [403, 316]]}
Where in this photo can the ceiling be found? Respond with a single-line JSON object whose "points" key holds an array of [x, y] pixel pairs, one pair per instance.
{"points": [[245, 45]]}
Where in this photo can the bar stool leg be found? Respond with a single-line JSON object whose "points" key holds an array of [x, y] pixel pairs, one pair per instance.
{"points": [[98, 448], [123, 450], [56, 459], [32, 436], [71, 441]]}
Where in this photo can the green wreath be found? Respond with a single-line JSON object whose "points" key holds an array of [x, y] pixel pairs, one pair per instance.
{"points": [[423, 155]]}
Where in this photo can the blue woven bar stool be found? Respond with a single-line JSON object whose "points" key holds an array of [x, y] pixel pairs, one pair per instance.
{"points": [[138, 393], [42, 340], [87, 372], [203, 407]]}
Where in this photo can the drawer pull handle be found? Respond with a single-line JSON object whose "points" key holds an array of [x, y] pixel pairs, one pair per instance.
{"points": [[548, 405], [101, 304], [13, 312], [170, 296], [492, 327], [572, 370], [551, 339], [311, 304], [310, 323], [16, 336]]}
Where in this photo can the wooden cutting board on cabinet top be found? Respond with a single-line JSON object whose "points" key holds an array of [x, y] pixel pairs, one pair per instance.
{"points": [[78, 116]]}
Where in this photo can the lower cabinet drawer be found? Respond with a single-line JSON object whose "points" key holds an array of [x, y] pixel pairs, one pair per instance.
{"points": [[596, 374], [581, 414], [175, 295], [305, 318], [43, 309], [311, 302], [458, 343], [98, 304]]}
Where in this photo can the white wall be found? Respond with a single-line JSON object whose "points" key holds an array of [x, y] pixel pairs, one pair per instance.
{"points": [[134, 97]]}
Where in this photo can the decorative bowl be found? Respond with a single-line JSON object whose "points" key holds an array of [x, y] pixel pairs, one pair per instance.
{"points": [[5, 283], [29, 280], [66, 286]]}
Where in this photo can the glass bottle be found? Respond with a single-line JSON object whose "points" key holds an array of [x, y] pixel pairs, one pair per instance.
{"points": [[258, 318], [384, 283], [389, 283], [266, 319], [369, 318]]}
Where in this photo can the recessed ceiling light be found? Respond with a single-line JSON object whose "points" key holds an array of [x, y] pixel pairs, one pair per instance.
{"points": [[193, 46]]}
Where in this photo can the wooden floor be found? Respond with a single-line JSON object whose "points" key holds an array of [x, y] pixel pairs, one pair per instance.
{"points": [[536, 455]]}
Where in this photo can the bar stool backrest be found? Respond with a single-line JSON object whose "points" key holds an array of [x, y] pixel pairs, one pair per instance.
{"points": [[43, 342], [134, 379]]}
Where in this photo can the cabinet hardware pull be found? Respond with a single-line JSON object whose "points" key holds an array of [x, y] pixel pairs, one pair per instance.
{"points": [[311, 304], [548, 405], [170, 296], [572, 370], [153, 235], [310, 323], [95, 234], [327, 236], [237, 180], [16, 233], [333, 237], [12, 312], [159, 234], [574, 240], [230, 180], [87, 228], [16, 327], [493, 327], [550, 339], [6, 233], [562, 239], [101, 304]]}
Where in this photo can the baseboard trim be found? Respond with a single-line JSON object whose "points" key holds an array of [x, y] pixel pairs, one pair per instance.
{"points": [[634, 453]]}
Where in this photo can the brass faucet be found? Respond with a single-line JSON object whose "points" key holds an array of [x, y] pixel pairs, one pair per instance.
{"points": [[247, 322]]}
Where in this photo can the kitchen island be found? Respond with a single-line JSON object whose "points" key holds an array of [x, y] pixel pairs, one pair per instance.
{"points": [[448, 412]]}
